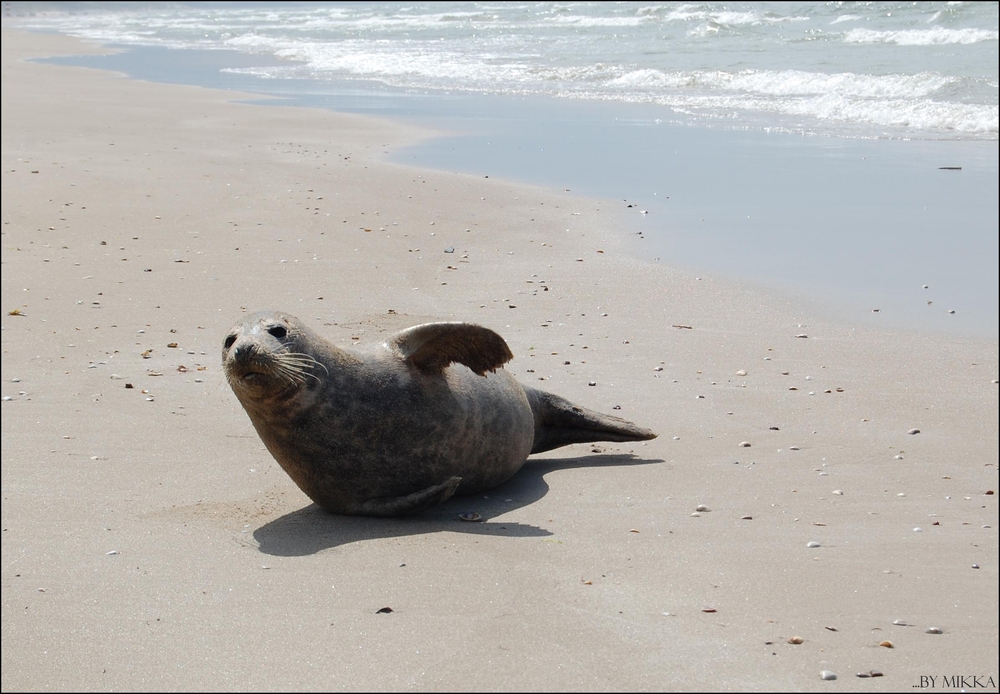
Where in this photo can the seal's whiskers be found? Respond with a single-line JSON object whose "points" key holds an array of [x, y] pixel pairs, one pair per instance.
{"points": [[295, 367]]}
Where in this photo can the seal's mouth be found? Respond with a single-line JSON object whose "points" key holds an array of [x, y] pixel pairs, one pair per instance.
{"points": [[246, 374], [254, 377]]}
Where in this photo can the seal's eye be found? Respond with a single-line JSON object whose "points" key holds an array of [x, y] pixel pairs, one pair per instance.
{"points": [[229, 341], [278, 331]]}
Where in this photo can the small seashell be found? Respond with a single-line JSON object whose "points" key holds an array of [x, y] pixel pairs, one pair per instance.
{"points": [[913, 431], [744, 444], [886, 644], [708, 609], [741, 372], [875, 673], [900, 622], [827, 675], [383, 610], [796, 640], [813, 545], [838, 492], [471, 517], [831, 628], [702, 508], [933, 630]]}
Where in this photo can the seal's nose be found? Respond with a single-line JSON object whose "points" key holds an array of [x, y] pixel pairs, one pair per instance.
{"points": [[244, 352]]}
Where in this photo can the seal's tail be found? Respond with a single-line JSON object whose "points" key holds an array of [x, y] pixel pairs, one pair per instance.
{"points": [[559, 422]]}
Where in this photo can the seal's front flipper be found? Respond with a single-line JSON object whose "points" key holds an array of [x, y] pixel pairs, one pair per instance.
{"points": [[433, 346], [559, 422], [409, 504]]}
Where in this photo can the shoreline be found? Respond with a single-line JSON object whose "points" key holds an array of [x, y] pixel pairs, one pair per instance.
{"points": [[853, 228], [150, 542]]}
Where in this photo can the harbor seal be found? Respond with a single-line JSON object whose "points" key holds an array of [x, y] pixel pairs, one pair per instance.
{"points": [[400, 426]]}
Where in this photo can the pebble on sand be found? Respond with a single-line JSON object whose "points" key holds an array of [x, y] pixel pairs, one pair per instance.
{"points": [[827, 675], [813, 545], [913, 431], [933, 630]]}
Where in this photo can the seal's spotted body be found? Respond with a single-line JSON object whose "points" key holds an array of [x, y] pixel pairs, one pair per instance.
{"points": [[401, 426]]}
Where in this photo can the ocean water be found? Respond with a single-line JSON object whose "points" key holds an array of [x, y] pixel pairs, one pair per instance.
{"points": [[797, 145], [867, 69]]}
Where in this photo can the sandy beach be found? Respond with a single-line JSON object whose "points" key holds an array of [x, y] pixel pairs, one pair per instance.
{"points": [[150, 542]]}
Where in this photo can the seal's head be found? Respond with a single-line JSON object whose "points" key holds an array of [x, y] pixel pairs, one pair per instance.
{"points": [[263, 356]]}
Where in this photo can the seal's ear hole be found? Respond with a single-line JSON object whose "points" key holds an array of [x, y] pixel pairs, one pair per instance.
{"points": [[229, 341], [278, 331]]}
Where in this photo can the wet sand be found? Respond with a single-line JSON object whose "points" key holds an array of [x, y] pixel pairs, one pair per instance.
{"points": [[150, 542], [850, 225]]}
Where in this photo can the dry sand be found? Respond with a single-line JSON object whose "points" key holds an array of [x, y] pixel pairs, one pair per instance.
{"points": [[150, 542]]}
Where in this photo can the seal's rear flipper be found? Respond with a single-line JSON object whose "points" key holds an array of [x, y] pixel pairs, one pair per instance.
{"points": [[433, 346], [559, 422], [409, 504]]}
